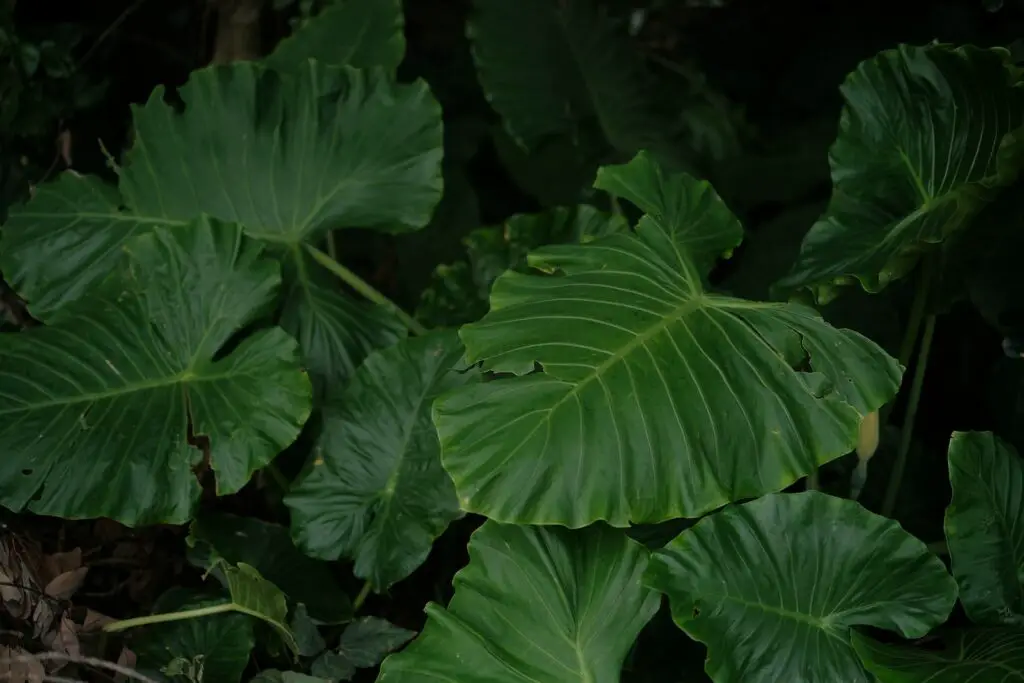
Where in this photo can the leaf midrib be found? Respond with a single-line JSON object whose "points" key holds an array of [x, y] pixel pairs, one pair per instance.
{"points": [[694, 303], [184, 377]]}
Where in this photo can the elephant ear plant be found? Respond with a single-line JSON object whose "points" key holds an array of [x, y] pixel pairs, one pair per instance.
{"points": [[192, 326]]}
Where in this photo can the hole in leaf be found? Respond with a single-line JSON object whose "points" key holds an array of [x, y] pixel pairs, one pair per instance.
{"points": [[27, 472]]}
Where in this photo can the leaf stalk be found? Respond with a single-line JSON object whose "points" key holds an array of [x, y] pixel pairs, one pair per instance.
{"points": [[363, 287]]}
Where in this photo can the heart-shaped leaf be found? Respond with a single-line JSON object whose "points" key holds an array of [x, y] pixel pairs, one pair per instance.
{"points": [[539, 604], [106, 413], [926, 135], [985, 527], [288, 156], [658, 398], [773, 587], [374, 489]]}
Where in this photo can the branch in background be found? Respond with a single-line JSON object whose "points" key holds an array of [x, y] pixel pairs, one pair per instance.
{"points": [[84, 661]]}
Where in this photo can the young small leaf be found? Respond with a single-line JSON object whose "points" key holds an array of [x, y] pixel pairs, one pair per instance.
{"points": [[269, 548], [367, 641], [253, 595]]}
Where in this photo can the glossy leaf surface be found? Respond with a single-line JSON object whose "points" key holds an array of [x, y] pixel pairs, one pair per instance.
{"points": [[374, 490], [98, 411], [774, 586], [658, 398], [541, 604], [268, 548], [925, 136]]}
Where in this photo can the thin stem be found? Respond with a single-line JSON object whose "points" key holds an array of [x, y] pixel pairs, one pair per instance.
{"points": [[125, 624], [907, 433], [332, 245], [916, 312], [278, 477], [364, 592], [812, 481], [73, 659], [363, 287], [938, 548]]}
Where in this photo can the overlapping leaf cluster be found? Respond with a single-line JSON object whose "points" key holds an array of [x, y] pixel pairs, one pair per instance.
{"points": [[187, 323]]}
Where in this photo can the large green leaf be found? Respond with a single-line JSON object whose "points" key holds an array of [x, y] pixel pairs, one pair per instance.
{"points": [[374, 490], [219, 644], [773, 587], [565, 69], [268, 548], [288, 157], [985, 527], [65, 239], [658, 399], [926, 135], [97, 412], [973, 655], [359, 33], [534, 604]]}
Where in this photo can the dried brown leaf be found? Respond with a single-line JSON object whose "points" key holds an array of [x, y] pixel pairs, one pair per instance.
{"points": [[18, 666], [64, 585]]}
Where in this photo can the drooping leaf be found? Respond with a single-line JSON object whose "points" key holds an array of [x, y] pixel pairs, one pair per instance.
{"points": [[269, 549], [220, 644], [985, 527], [535, 603], [287, 156], [773, 587], [253, 595], [374, 490], [97, 411], [458, 293], [363, 645], [359, 33], [565, 69], [983, 654], [658, 399], [926, 136]]}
